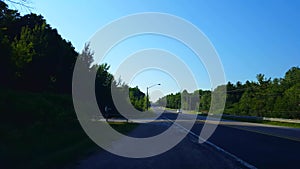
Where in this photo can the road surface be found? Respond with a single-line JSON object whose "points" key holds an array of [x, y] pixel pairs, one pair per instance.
{"points": [[262, 146], [235, 145]]}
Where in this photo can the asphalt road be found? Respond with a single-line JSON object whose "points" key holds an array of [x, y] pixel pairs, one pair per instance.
{"points": [[187, 154], [260, 145], [257, 145]]}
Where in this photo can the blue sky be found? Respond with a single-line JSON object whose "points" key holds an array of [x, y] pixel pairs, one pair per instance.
{"points": [[250, 37]]}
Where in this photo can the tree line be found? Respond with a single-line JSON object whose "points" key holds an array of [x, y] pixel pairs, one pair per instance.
{"points": [[35, 58], [266, 97], [278, 97], [36, 106]]}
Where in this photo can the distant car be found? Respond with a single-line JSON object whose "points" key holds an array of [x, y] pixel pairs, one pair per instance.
{"points": [[179, 111]]}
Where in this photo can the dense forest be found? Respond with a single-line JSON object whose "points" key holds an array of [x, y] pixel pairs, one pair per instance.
{"points": [[36, 58], [36, 106], [266, 97]]}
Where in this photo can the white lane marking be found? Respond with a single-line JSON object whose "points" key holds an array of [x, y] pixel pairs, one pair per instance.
{"points": [[215, 146]]}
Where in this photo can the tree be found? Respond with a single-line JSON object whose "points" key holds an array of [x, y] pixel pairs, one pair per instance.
{"points": [[8, 18], [287, 103], [137, 98], [35, 57], [205, 100]]}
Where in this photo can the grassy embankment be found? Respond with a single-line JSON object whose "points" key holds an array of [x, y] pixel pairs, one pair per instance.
{"points": [[285, 124], [253, 120], [40, 130], [261, 121]]}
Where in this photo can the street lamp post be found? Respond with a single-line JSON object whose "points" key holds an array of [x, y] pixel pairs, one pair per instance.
{"points": [[148, 94]]}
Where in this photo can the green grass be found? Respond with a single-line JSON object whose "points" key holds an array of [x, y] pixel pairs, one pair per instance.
{"points": [[40, 130], [294, 125], [193, 112], [124, 127]]}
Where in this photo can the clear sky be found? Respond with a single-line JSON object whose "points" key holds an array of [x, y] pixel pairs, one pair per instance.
{"points": [[250, 36]]}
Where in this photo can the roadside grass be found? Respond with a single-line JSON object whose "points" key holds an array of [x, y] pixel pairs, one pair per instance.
{"points": [[123, 127], [253, 120], [294, 125], [193, 112], [41, 130], [284, 124]]}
